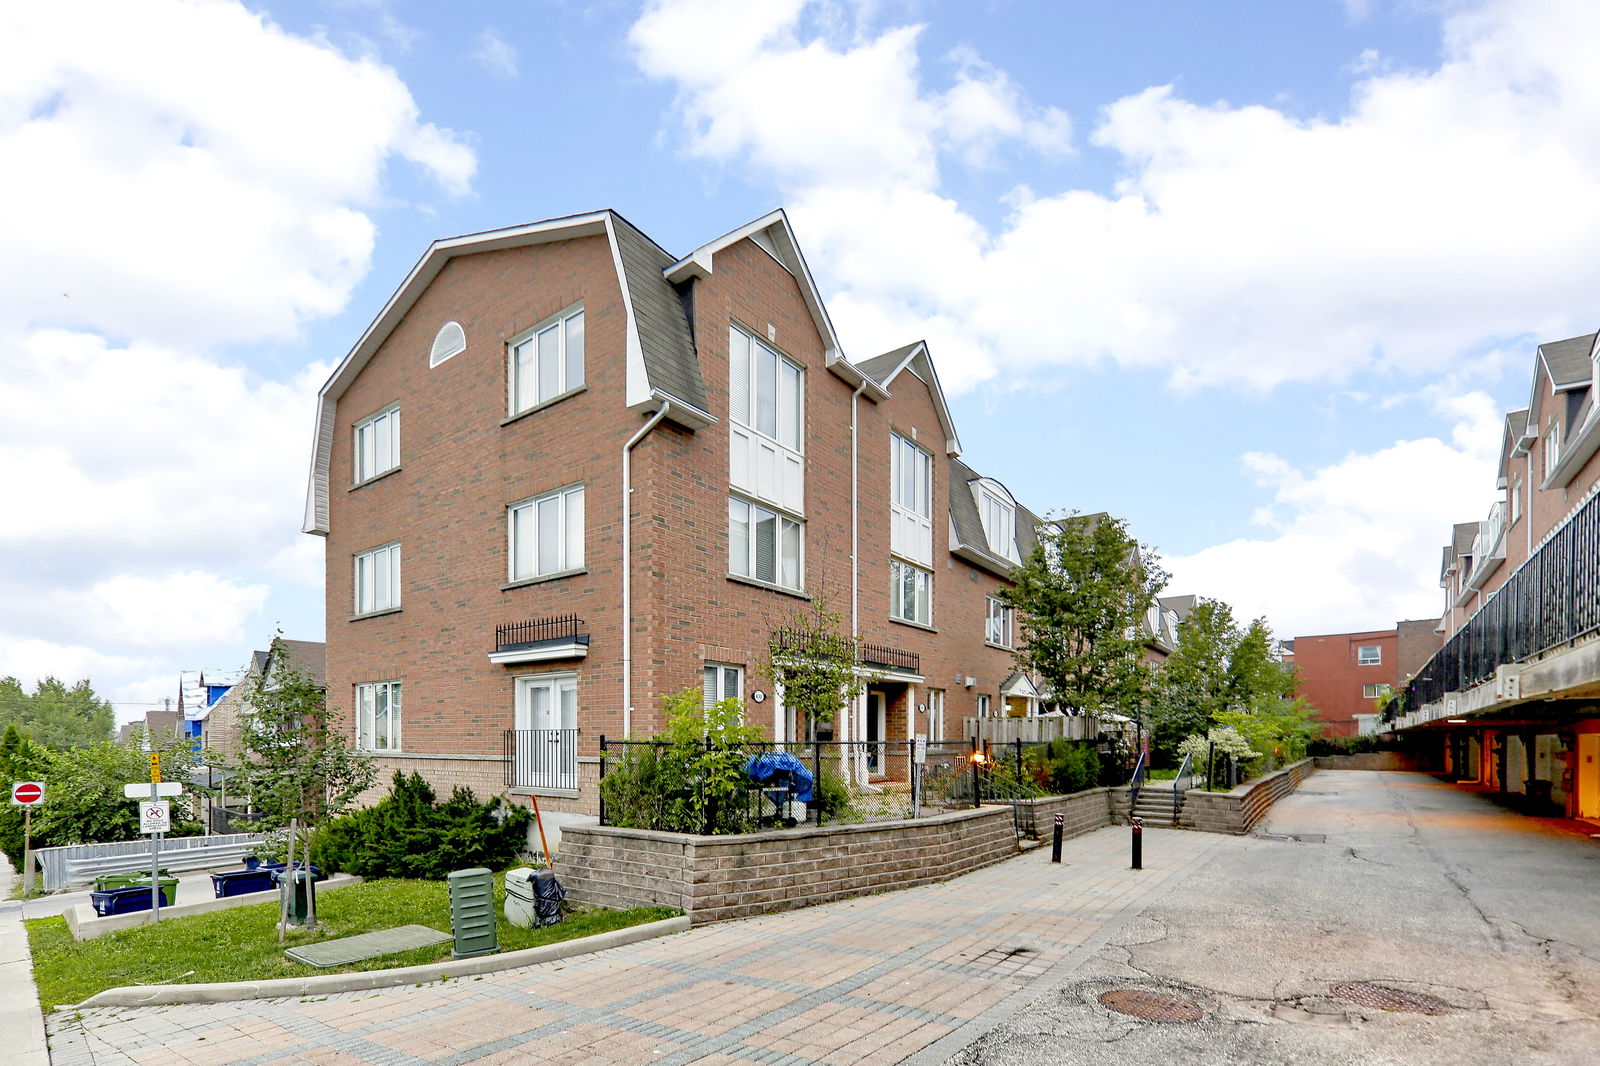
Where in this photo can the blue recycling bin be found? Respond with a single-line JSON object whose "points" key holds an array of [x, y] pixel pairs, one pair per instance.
{"points": [[241, 882], [122, 900]]}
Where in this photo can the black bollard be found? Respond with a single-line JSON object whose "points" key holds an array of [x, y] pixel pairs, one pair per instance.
{"points": [[1138, 843], [1055, 845]]}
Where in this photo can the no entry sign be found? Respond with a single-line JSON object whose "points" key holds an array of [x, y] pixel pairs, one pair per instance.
{"points": [[27, 793]]}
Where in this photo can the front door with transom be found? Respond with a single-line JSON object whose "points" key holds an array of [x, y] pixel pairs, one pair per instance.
{"points": [[545, 753]]}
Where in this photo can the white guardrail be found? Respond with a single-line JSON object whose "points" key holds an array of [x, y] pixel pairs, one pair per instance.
{"points": [[80, 864]]}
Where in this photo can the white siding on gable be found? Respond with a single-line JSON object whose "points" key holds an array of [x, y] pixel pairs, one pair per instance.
{"points": [[911, 502]]}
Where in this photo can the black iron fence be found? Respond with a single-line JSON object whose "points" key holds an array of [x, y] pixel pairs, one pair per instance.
{"points": [[541, 758], [1552, 599], [650, 784], [514, 635]]}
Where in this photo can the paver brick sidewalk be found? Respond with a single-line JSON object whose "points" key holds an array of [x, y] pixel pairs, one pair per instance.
{"points": [[872, 980]]}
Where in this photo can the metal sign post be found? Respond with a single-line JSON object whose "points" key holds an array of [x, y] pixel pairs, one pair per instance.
{"points": [[27, 795], [155, 818]]}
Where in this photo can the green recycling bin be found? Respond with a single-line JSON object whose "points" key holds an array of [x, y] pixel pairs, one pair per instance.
{"points": [[107, 882]]}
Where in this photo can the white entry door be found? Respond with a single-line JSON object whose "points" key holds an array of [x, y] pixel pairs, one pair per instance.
{"points": [[545, 754]]}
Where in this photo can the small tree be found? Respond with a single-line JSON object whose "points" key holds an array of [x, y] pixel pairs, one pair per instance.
{"points": [[816, 663], [1083, 593], [1193, 685], [296, 767]]}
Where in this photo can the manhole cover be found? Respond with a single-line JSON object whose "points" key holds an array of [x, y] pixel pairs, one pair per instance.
{"points": [[1395, 999], [1151, 1006]]}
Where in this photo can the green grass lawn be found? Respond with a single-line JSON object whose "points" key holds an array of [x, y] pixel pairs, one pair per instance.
{"points": [[241, 943]]}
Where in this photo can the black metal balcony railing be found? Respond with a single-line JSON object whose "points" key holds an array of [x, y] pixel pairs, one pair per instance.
{"points": [[541, 758], [1552, 599], [884, 655], [515, 635], [800, 642]]}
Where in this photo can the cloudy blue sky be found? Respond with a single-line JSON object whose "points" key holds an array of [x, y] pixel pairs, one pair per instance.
{"points": [[1259, 277]]}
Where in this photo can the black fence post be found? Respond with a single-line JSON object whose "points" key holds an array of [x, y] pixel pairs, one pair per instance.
{"points": [[1138, 843], [1019, 758], [1055, 843], [977, 780], [602, 778], [816, 779]]}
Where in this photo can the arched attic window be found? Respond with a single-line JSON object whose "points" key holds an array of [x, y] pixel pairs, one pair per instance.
{"points": [[451, 340]]}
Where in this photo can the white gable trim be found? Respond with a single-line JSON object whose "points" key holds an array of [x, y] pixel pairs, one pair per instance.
{"points": [[920, 362]]}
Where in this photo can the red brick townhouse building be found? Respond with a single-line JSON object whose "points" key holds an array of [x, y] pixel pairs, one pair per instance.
{"points": [[565, 473], [1512, 699]]}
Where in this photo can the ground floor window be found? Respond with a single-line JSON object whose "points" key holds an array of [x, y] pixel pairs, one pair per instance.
{"points": [[545, 741], [935, 715], [983, 706], [378, 716], [720, 681]]}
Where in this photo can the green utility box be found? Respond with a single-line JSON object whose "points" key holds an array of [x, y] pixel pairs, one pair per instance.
{"points": [[472, 913]]}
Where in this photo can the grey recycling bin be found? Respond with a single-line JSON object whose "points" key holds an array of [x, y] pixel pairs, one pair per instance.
{"points": [[519, 897]]}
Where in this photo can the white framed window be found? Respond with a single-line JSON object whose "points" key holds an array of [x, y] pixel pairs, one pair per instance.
{"points": [[378, 716], [377, 581], [766, 396], [377, 446], [1373, 691], [722, 681], [910, 593], [451, 340], [997, 627], [546, 534], [1369, 655], [999, 515], [983, 706], [1516, 499], [935, 715], [910, 501], [547, 360], [765, 545], [1551, 447]]}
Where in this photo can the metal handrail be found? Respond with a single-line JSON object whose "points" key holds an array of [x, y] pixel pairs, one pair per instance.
{"points": [[1139, 774], [1185, 770]]}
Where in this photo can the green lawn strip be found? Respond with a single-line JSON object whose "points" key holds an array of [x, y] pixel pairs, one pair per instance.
{"points": [[241, 943]]}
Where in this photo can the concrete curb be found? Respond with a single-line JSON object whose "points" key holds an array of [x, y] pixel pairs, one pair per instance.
{"points": [[328, 984]]}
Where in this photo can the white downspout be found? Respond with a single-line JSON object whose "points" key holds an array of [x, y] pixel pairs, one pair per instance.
{"points": [[627, 567], [857, 705]]}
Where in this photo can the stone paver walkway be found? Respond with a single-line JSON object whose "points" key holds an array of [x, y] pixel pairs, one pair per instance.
{"points": [[871, 981]]}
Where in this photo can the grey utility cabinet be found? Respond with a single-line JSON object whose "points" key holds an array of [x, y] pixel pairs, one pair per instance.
{"points": [[472, 913]]}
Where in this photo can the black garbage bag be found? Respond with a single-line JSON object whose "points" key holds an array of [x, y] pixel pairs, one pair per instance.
{"points": [[547, 897]]}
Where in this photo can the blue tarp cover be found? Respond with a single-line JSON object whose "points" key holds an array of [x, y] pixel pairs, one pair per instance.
{"points": [[779, 768]]}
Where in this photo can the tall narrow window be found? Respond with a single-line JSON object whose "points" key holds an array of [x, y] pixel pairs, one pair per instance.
{"points": [[910, 501], [547, 361], [764, 545], [378, 716], [1551, 447], [766, 415], [997, 628], [377, 579], [983, 706], [546, 534], [377, 444], [935, 715], [1516, 499]]}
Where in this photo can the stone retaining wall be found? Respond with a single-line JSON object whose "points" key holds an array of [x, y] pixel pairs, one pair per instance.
{"points": [[711, 878], [1236, 811], [1082, 812], [1370, 760]]}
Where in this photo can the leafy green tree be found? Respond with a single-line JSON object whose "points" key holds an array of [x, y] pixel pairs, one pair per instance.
{"points": [[1192, 686], [816, 662], [84, 803], [20, 760], [1083, 594], [295, 764], [54, 714]]}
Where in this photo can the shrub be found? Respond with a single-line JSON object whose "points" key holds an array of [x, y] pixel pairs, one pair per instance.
{"points": [[1343, 745], [409, 834], [1070, 767]]}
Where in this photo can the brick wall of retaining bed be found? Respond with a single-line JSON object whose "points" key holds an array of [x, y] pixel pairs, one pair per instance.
{"points": [[1238, 810], [1082, 812], [713, 878], [1371, 760]]}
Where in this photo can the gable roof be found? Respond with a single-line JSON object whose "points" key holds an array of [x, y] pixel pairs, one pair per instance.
{"points": [[1512, 441], [1463, 535], [886, 367], [1567, 362], [772, 233], [662, 369]]}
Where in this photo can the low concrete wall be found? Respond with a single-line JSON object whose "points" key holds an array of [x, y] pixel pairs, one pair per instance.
{"points": [[1082, 812], [85, 924], [1370, 760], [1236, 811], [711, 878]]}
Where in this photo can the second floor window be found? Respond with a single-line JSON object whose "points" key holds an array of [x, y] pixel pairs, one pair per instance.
{"points": [[997, 629], [910, 593], [547, 361], [546, 534], [765, 545], [377, 579], [1369, 655], [377, 445]]}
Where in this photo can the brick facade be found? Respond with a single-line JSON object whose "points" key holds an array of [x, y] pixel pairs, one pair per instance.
{"points": [[462, 462]]}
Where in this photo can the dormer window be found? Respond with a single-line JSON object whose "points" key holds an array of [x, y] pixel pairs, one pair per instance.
{"points": [[999, 514], [547, 360]]}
